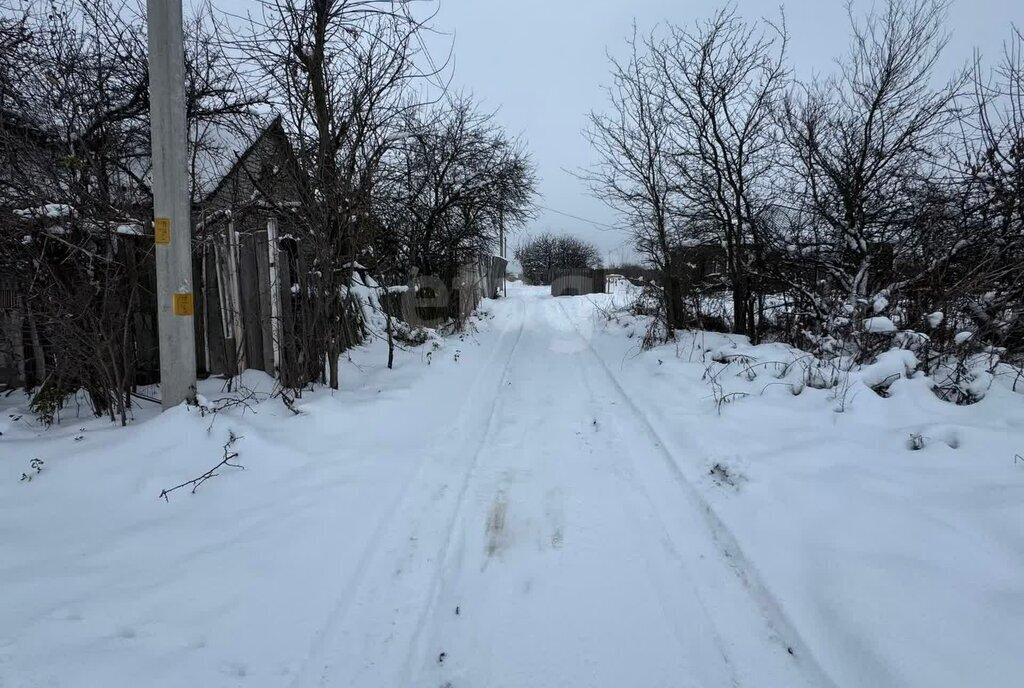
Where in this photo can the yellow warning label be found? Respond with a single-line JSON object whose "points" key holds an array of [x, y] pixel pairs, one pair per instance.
{"points": [[162, 230], [183, 304]]}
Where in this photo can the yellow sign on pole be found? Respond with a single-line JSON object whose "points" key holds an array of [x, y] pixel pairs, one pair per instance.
{"points": [[184, 304], [162, 230]]}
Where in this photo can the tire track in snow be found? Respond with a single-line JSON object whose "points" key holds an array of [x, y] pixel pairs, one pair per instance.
{"points": [[357, 580], [418, 650], [679, 605], [666, 540], [723, 538]]}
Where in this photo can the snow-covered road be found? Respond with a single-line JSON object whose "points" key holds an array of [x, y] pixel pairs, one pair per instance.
{"points": [[528, 504], [549, 540]]}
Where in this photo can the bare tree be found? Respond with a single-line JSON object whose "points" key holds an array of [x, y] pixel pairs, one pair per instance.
{"points": [[634, 146], [861, 143], [543, 254], [14, 35], [75, 148], [722, 82], [75, 144], [455, 181], [984, 269], [223, 102], [337, 70]]}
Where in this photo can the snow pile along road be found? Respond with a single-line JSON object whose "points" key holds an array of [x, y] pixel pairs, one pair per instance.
{"points": [[889, 528], [533, 503]]}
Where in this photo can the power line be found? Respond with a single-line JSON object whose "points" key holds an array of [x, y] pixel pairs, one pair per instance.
{"points": [[600, 226]]}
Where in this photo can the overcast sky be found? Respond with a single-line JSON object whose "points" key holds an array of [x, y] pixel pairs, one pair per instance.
{"points": [[541, 64]]}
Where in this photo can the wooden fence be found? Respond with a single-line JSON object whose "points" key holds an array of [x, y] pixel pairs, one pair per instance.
{"points": [[429, 301]]}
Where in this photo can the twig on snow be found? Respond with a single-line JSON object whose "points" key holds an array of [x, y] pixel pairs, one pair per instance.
{"points": [[288, 401], [229, 456]]}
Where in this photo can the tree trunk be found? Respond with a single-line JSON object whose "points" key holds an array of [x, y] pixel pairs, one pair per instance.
{"points": [[739, 305], [391, 339], [332, 363], [38, 355]]}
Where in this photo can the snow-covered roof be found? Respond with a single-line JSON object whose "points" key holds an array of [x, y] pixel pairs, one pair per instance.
{"points": [[50, 210]]}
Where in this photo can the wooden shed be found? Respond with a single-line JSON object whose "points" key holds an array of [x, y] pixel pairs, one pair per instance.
{"points": [[245, 263]]}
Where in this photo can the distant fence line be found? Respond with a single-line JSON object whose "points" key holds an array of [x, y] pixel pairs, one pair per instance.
{"points": [[429, 301], [576, 281]]}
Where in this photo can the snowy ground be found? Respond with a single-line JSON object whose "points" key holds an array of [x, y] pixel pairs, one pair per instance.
{"points": [[532, 504]]}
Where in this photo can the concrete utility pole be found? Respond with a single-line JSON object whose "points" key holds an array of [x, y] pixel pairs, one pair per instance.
{"points": [[501, 248], [172, 223]]}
